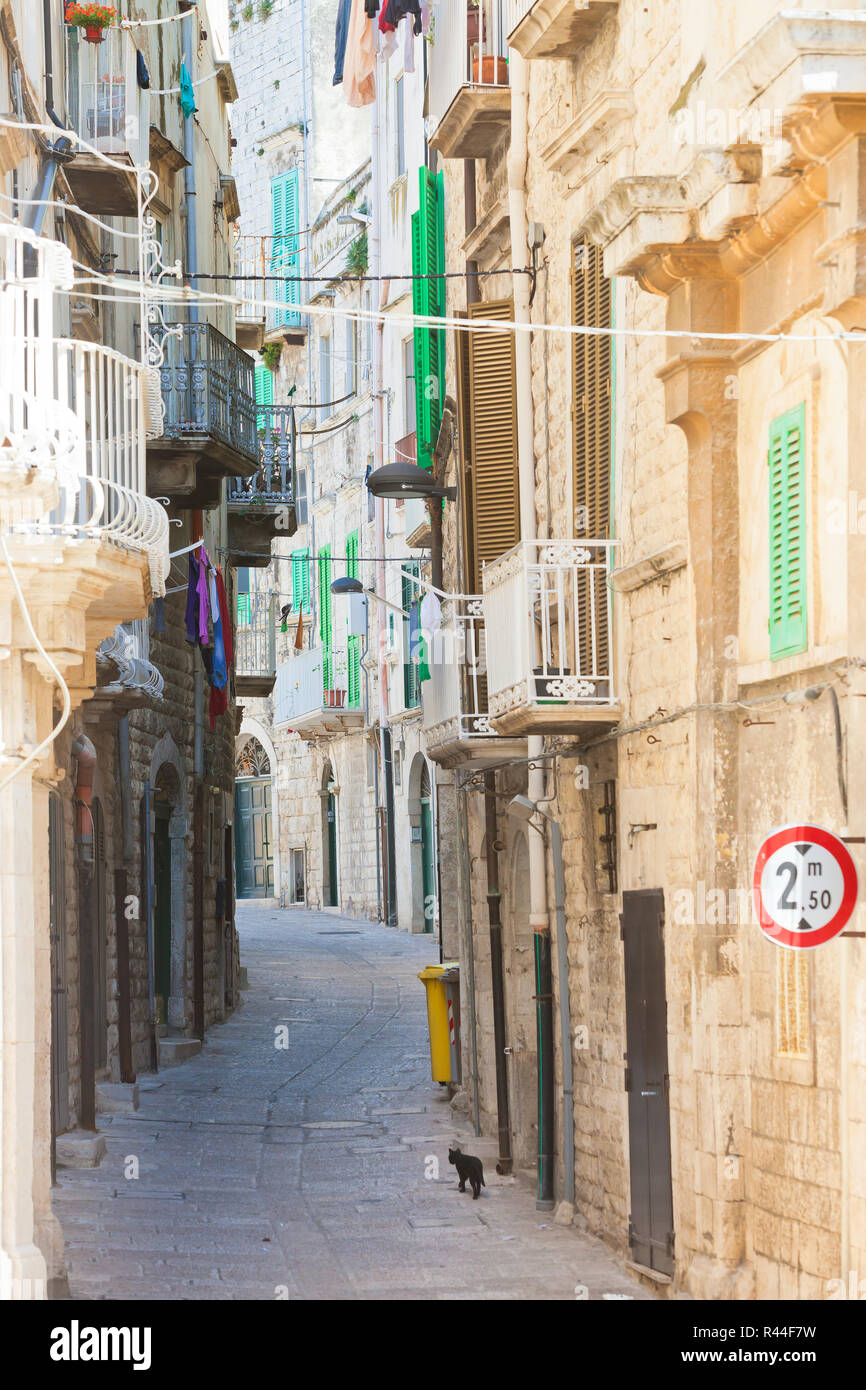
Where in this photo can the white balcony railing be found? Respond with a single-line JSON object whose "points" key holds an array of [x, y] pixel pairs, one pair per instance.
{"points": [[106, 106], [547, 615], [128, 649], [469, 49], [252, 256], [455, 696], [312, 690], [74, 416]]}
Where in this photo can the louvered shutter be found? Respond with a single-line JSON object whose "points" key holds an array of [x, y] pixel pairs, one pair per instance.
{"points": [[300, 581], [493, 442], [264, 391], [325, 624], [787, 466], [354, 643], [411, 681], [428, 298], [592, 436], [284, 247]]}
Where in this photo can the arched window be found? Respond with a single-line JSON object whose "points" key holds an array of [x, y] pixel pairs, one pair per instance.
{"points": [[252, 760]]}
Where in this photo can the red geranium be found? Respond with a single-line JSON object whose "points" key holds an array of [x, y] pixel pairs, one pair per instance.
{"points": [[90, 16]]}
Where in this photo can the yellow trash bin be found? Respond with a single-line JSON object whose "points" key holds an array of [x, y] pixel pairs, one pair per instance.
{"points": [[437, 1019]]}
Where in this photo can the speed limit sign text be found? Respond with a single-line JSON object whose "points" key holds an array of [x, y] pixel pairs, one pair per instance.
{"points": [[805, 886]]}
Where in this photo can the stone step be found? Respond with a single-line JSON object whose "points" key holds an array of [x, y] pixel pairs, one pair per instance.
{"points": [[79, 1149], [116, 1097], [173, 1051]]}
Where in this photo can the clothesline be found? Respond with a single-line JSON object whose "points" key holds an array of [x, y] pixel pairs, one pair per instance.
{"points": [[166, 19], [174, 91]]}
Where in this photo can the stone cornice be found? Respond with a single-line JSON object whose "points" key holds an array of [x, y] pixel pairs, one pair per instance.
{"points": [[796, 54], [589, 128], [491, 238]]}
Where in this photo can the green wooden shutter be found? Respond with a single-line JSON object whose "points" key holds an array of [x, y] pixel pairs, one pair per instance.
{"points": [[285, 257], [411, 683], [787, 466], [354, 643], [301, 581], [326, 627], [428, 298], [264, 391]]}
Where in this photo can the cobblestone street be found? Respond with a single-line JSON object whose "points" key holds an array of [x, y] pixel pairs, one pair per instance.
{"points": [[303, 1172]]}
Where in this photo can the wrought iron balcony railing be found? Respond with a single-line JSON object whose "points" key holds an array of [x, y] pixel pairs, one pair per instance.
{"points": [[208, 388], [256, 646], [274, 482], [128, 649]]}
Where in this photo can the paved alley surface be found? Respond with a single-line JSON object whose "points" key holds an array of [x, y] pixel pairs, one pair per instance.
{"points": [[309, 1172]]}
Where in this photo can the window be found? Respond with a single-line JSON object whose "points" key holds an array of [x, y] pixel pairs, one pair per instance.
{"points": [[354, 643], [326, 630], [324, 377], [398, 768], [300, 581], [428, 298], [297, 888], [243, 597], [351, 376], [411, 631], [301, 498], [399, 131], [285, 255], [787, 469], [264, 393], [408, 386]]}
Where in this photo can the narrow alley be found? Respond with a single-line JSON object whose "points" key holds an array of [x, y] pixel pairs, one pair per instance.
{"points": [[304, 1171]]}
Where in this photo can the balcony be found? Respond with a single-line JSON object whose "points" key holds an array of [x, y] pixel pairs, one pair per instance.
{"points": [[547, 615], [456, 723], [91, 548], [555, 28], [271, 266], [132, 679], [312, 695], [209, 430], [263, 506], [110, 112], [256, 648], [470, 99]]}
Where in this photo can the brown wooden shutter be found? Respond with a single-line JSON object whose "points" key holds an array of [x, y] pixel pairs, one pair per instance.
{"points": [[493, 440], [467, 576], [592, 434]]}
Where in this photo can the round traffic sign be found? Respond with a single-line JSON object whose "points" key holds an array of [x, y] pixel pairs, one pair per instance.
{"points": [[805, 886]]}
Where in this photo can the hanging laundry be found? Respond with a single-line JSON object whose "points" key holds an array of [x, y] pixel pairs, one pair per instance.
{"points": [[371, 8], [409, 45], [343, 13], [431, 624], [187, 95], [396, 9], [388, 42], [219, 699], [359, 81], [142, 73]]}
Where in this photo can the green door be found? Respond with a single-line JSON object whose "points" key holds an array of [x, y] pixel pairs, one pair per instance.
{"points": [[332, 886], [162, 909], [428, 869], [254, 864]]}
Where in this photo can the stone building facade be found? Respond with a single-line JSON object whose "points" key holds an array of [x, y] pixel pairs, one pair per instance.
{"points": [[697, 163]]}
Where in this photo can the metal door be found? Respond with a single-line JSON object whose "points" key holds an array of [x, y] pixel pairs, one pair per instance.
{"points": [[332, 898], [651, 1234], [253, 859], [428, 879]]}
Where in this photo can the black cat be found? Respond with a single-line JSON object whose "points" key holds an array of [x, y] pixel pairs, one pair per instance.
{"points": [[468, 1167]]}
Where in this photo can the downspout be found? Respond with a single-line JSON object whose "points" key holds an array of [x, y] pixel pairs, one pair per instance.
{"points": [[85, 755], [57, 154], [189, 175], [497, 973], [538, 914], [121, 890], [466, 877], [381, 583]]}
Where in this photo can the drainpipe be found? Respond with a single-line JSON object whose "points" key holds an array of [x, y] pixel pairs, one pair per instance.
{"points": [[494, 901], [466, 876], [121, 890], [538, 914], [85, 755], [198, 854], [189, 174], [379, 447], [57, 154]]}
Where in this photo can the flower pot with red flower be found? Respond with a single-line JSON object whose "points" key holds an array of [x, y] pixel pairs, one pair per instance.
{"points": [[92, 19]]}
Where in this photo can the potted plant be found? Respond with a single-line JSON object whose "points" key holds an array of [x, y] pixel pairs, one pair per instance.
{"points": [[93, 19], [490, 71]]}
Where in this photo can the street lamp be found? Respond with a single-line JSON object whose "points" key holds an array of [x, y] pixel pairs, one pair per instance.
{"points": [[407, 480], [347, 218], [346, 585]]}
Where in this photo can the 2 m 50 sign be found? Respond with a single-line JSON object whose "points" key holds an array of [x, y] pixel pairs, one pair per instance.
{"points": [[805, 886]]}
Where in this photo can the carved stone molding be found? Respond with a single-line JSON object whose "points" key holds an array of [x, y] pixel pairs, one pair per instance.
{"points": [[590, 131]]}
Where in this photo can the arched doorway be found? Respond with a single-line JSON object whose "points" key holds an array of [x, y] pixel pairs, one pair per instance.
{"points": [[330, 859], [422, 846], [254, 861]]}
